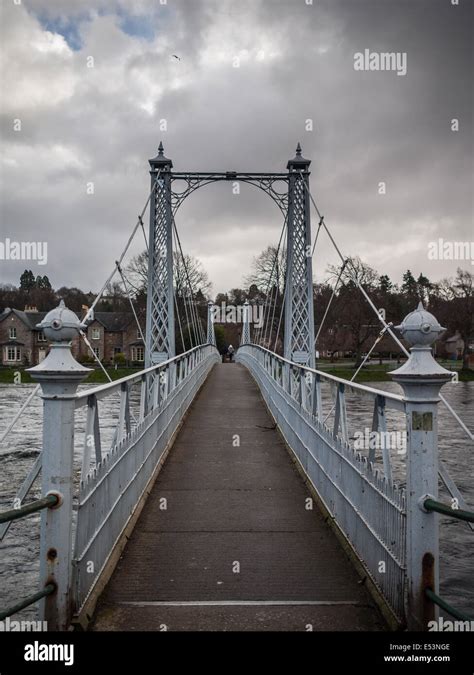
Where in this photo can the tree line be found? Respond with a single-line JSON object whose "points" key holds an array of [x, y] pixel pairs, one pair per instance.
{"points": [[349, 324]]}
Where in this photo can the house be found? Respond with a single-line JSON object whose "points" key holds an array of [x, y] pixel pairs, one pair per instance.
{"points": [[113, 333], [21, 343], [108, 333]]}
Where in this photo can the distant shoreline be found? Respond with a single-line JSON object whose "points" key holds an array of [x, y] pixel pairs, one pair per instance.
{"points": [[345, 370]]}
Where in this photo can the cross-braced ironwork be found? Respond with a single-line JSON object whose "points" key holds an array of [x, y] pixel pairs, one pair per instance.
{"points": [[211, 335], [169, 194], [245, 338], [160, 333], [299, 322], [267, 182]]}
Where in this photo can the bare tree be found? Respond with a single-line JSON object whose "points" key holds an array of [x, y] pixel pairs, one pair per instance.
{"points": [[268, 270], [354, 318], [191, 268], [454, 307]]}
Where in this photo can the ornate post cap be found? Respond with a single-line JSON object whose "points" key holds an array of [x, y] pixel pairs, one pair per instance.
{"points": [[298, 163], [421, 329], [160, 161], [59, 326]]}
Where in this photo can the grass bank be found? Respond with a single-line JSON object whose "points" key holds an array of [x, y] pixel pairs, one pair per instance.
{"points": [[7, 375]]}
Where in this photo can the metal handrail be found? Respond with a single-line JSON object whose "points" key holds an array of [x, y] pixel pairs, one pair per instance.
{"points": [[48, 502], [49, 589], [350, 385], [446, 606], [108, 388], [446, 510]]}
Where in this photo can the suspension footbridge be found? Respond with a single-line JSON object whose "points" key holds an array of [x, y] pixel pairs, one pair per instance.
{"points": [[231, 495]]}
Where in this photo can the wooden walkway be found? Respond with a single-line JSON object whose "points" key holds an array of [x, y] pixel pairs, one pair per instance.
{"points": [[236, 548]]}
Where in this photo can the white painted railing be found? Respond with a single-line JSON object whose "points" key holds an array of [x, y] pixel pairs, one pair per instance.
{"points": [[113, 485]]}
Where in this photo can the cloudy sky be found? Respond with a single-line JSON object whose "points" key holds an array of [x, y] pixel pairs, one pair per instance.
{"points": [[101, 124]]}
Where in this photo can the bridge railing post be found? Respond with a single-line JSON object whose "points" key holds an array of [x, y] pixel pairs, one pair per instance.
{"points": [[421, 378], [59, 375]]}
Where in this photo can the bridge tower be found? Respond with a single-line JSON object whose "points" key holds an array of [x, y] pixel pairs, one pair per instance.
{"points": [[299, 313], [160, 334]]}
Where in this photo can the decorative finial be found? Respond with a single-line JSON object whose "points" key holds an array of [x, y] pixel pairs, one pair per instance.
{"points": [[298, 150], [160, 149], [60, 324], [420, 328]]}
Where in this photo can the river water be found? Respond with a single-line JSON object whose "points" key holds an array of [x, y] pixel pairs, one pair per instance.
{"points": [[19, 563]]}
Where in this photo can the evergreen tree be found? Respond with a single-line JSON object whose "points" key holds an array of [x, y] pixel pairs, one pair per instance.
{"points": [[27, 281]]}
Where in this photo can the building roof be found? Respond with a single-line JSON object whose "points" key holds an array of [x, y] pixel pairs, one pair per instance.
{"points": [[114, 322], [111, 321], [30, 319]]}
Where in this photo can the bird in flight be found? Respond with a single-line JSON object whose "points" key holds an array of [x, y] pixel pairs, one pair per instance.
{"points": [[175, 57]]}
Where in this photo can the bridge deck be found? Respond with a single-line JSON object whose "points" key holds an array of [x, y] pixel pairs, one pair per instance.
{"points": [[230, 506]]}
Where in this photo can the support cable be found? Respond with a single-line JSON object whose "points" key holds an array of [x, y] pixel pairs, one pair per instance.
{"points": [[127, 291], [185, 302], [330, 301], [124, 253], [199, 333], [258, 333], [377, 313], [277, 290]]}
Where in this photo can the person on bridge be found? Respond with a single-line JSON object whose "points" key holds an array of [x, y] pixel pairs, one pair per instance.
{"points": [[230, 351]]}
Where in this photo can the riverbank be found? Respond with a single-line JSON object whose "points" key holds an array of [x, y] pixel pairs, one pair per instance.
{"points": [[373, 372], [10, 375], [381, 373]]}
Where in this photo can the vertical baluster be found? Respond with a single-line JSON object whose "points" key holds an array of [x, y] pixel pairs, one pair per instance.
{"points": [[337, 415], [97, 442], [156, 392], [124, 415], [88, 438], [382, 427], [317, 411], [143, 398], [342, 404], [375, 427]]}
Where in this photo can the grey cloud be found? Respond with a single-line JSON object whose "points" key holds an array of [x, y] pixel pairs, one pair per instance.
{"points": [[368, 127]]}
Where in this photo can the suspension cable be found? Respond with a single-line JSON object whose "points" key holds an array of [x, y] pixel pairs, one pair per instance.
{"points": [[282, 308], [183, 295], [96, 358], [131, 302], [20, 412], [179, 321], [328, 307], [277, 290], [275, 260], [144, 233], [377, 313], [124, 253], [366, 358], [199, 333]]}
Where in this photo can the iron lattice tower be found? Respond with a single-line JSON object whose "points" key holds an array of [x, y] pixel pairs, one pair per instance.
{"points": [[294, 204], [160, 331], [299, 312]]}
